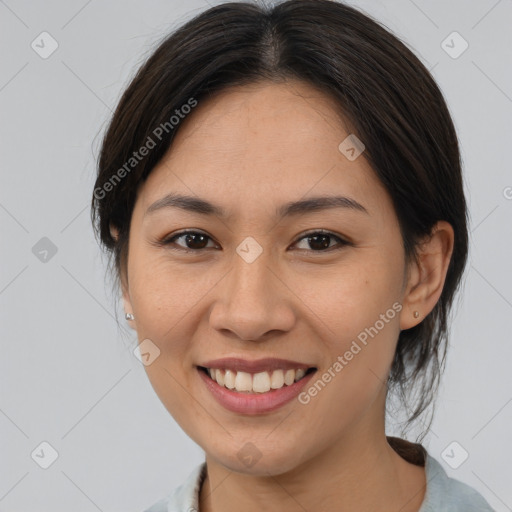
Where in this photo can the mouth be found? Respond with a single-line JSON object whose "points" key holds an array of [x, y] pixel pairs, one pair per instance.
{"points": [[267, 381], [254, 393]]}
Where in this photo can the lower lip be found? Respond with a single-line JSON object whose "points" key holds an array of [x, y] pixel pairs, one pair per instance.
{"points": [[254, 403]]}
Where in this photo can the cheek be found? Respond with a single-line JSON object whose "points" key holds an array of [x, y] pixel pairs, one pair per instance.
{"points": [[352, 297], [164, 295], [165, 303], [358, 310]]}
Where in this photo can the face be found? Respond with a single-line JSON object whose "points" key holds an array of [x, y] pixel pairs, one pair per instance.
{"points": [[321, 287]]}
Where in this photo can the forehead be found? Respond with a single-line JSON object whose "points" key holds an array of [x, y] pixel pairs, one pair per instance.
{"points": [[257, 113], [259, 144]]}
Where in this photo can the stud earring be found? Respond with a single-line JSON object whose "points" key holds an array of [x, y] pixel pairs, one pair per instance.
{"points": [[129, 316], [416, 314]]}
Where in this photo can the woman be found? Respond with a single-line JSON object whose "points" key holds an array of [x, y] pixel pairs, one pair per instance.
{"points": [[281, 192]]}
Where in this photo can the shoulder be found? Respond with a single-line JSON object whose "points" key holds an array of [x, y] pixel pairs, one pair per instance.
{"points": [[446, 494], [184, 498], [442, 493]]}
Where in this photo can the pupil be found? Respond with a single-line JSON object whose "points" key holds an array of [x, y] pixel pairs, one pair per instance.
{"points": [[192, 236], [321, 241], [323, 244]]}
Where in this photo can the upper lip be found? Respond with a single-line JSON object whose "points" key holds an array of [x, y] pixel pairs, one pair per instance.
{"points": [[259, 365]]}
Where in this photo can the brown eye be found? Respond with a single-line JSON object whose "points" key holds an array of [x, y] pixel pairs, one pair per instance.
{"points": [[193, 240], [319, 241]]}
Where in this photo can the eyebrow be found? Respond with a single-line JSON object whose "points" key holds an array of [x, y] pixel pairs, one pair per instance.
{"points": [[203, 207]]}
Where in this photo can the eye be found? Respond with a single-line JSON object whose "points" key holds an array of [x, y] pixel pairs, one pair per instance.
{"points": [[195, 241], [321, 239], [195, 238]]}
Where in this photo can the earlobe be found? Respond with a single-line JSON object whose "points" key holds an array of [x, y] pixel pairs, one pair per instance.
{"points": [[128, 312], [114, 232], [128, 309], [128, 315], [427, 275]]}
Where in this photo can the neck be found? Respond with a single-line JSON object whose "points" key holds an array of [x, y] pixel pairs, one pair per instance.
{"points": [[360, 473]]}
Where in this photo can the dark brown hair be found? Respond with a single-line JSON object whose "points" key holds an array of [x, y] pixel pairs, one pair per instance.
{"points": [[386, 95]]}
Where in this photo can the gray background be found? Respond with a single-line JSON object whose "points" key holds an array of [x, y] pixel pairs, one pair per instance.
{"points": [[68, 374]]}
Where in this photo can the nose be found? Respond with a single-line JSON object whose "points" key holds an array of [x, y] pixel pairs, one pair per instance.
{"points": [[252, 301]]}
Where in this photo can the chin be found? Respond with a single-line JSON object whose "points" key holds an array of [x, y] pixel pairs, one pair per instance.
{"points": [[251, 461]]}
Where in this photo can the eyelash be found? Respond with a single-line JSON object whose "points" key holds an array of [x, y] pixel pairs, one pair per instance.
{"points": [[169, 241]]}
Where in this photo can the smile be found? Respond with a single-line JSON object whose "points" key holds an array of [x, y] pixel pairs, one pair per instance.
{"points": [[253, 394], [262, 382]]}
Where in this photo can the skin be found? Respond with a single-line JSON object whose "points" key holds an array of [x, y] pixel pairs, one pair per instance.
{"points": [[250, 149]]}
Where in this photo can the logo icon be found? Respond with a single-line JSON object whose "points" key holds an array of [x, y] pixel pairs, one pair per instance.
{"points": [[44, 250], [44, 45], [351, 147], [454, 455], [249, 454], [146, 352], [249, 249], [454, 45], [44, 455]]}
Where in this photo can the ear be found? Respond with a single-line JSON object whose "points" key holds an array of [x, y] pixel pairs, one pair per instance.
{"points": [[427, 275], [114, 233]]}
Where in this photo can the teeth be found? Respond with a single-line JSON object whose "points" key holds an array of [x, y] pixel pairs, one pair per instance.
{"points": [[219, 377], [261, 382], [257, 383], [243, 381], [277, 379], [289, 377], [299, 374], [229, 379]]}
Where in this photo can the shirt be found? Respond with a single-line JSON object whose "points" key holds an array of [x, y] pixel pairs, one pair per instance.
{"points": [[442, 494]]}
